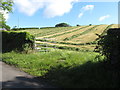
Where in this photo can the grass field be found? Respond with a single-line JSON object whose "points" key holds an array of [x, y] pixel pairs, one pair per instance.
{"points": [[90, 36], [65, 68], [74, 35], [69, 36], [48, 31]]}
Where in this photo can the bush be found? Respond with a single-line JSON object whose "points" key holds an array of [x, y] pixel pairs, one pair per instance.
{"points": [[78, 25], [62, 25], [17, 41], [90, 24], [109, 45]]}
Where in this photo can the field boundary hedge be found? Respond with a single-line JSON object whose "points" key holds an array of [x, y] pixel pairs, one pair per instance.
{"points": [[17, 41], [109, 46], [17, 29]]}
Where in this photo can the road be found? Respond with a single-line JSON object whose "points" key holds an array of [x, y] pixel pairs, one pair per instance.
{"points": [[11, 77]]}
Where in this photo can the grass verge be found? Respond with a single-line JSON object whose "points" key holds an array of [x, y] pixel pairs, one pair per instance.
{"points": [[65, 68]]}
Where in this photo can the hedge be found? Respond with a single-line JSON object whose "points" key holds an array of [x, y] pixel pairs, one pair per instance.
{"points": [[109, 46], [16, 29], [17, 41]]}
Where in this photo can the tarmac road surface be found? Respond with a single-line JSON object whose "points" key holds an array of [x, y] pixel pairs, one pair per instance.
{"points": [[11, 77]]}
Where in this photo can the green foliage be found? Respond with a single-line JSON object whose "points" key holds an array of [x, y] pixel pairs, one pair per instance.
{"points": [[18, 41], [37, 63], [109, 45], [62, 25], [64, 47], [6, 5], [77, 25], [16, 29], [90, 24], [66, 69], [5, 26]]}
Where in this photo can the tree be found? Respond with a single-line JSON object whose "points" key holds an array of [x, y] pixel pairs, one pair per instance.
{"points": [[5, 6], [78, 25], [62, 25], [90, 24]]}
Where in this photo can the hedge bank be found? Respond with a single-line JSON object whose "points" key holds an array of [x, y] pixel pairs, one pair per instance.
{"points": [[17, 41]]}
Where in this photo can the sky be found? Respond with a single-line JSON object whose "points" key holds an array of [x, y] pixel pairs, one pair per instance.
{"points": [[48, 13]]}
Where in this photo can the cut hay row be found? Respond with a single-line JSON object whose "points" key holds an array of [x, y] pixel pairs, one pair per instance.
{"points": [[77, 35], [67, 43], [62, 37], [91, 36], [63, 46], [71, 31], [47, 32], [62, 32]]}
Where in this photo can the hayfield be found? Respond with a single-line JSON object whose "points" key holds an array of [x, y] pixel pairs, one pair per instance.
{"points": [[91, 36], [85, 36]]}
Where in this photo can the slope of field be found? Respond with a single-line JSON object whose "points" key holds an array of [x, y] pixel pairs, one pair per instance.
{"points": [[65, 36], [91, 36], [48, 31], [58, 33], [82, 37]]}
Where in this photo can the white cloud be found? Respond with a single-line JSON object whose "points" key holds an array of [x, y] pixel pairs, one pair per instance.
{"points": [[88, 7], [58, 8], [80, 15], [84, 9], [52, 8], [104, 17], [5, 14], [29, 7]]}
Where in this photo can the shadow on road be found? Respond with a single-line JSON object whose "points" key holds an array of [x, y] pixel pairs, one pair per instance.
{"points": [[24, 83]]}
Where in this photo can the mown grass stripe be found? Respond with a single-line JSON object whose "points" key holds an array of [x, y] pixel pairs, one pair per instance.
{"points": [[67, 32], [67, 43], [54, 30], [65, 47], [77, 35]]}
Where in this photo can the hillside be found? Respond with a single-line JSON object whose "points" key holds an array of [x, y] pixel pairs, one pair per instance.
{"points": [[81, 37]]}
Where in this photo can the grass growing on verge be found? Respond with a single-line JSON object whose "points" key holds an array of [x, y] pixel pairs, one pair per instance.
{"points": [[64, 68]]}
